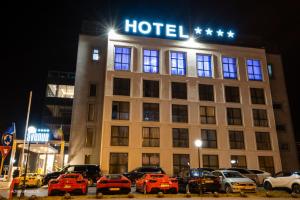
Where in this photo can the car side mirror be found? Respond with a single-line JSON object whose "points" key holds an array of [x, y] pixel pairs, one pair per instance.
{"points": [[221, 178]]}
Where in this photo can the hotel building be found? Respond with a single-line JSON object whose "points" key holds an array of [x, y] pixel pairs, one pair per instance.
{"points": [[141, 101]]}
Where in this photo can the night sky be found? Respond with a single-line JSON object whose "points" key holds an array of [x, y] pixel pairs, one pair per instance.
{"points": [[43, 35]]}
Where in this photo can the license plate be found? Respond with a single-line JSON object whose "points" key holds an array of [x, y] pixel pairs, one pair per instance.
{"points": [[114, 189], [248, 188], [208, 181], [164, 185], [67, 186]]}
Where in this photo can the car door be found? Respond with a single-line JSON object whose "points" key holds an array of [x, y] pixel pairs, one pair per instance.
{"points": [[277, 180]]}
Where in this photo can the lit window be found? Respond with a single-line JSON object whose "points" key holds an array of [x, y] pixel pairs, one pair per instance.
{"points": [[89, 140], [254, 70], [122, 58], [150, 159], [270, 70], [151, 61], [118, 163], [60, 91], [229, 68], [119, 136], [238, 161], [204, 65], [178, 63], [96, 54]]}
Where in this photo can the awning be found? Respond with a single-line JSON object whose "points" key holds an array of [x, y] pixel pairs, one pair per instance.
{"points": [[39, 148]]}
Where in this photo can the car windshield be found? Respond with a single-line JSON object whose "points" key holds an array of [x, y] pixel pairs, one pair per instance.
{"points": [[199, 173], [232, 175], [70, 176], [157, 176], [297, 173], [114, 176]]}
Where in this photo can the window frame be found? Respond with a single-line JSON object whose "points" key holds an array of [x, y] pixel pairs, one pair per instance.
{"points": [[179, 117], [154, 113], [236, 77], [211, 143], [252, 68], [184, 63], [260, 121], [234, 118], [263, 145], [148, 155], [129, 60], [234, 144], [182, 139], [158, 60], [151, 139], [120, 156], [119, 113], [118, 137], [203, 63], [209, 158], [207, 119]]}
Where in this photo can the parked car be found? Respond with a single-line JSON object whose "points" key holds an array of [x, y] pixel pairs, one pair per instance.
{"points": [[32, 180], [246, 173], [72, 183], [261, 175], [284, 180], [91, 172], [234, 181], [140, 171], [198, 180], [154, 183], [113, 183]]}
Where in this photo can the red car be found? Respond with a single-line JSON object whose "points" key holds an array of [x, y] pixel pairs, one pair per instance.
{"points": [[154, 183], [113, 183], [72, 183]]}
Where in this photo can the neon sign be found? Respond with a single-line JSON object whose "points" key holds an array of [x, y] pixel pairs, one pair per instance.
{"points": [[38, 135], [173, 31]]}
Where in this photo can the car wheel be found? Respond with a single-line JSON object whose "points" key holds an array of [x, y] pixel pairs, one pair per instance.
{"points": [[267, 185], [296, 188], [145, 189], [228, 189]]}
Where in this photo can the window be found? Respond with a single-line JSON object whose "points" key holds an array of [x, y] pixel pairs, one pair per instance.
{"points": [[91, 112], [151, 61], [266, 163], [206, 92], [96, 54], [89, 139], [87, 159], [209, 138], [232, 94], [59, 111], [234, 116], [238, 161], [254, 70], [151, 111], [180, 163], [236, 139], [179, 90], [204, 65], [207, 115], [260, 117], [229, 68], [211, 161], [178, 63], [263, 141], [257, 95], [151, 89], [122, 58], [119, 136], [118, 163], [121, 86], [60, 91], [150, 137], [270, 71], [120, 110], [180, 137], [180, 113], [93, 89], [150, 159]]}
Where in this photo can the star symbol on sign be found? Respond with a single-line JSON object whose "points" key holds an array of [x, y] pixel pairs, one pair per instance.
{"points": [[209, 31], [198, 30], [230, 34], [220, 33]]}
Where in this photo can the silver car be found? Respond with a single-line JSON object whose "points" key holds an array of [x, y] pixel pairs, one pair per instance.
{"points": [[233, 181]]}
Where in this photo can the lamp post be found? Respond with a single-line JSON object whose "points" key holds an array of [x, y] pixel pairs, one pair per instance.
{"points": [[31, 130], [198, 144]]}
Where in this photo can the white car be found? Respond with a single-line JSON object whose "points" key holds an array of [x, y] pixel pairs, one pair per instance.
{"points": [[234, 181], [284, 180], [262, 175]]}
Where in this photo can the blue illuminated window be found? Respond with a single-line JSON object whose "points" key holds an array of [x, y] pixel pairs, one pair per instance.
{"points": [[204, 65], [229, 68], [122, 58], [151, 61], [254, 70], [178, 63]]}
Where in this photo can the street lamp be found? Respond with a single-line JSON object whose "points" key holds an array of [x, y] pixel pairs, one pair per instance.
{"points": [[198, 143], [31, 130]]}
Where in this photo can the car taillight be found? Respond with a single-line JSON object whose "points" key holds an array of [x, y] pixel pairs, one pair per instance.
{"points": [[152, 181]]}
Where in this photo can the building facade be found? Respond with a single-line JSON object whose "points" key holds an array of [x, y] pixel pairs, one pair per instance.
{"points": [[145, 101]]}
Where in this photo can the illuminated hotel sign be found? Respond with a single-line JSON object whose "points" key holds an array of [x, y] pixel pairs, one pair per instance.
{"points": [[38, 135], [174, 31]]}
